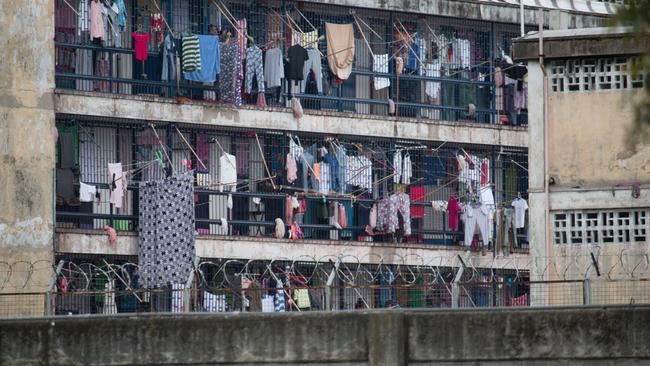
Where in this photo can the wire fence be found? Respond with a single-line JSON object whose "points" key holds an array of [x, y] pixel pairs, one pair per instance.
{"points": [[448, 74], [103, 285]]}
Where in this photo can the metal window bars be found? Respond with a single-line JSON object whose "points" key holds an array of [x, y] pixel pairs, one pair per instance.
{"points": [[450, 78]]}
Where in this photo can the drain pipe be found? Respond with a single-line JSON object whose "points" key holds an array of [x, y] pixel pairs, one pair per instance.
{"points": [[547, 214]]}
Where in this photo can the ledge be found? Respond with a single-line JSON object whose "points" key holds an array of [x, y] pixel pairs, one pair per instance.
{"points": [[153, 108]]}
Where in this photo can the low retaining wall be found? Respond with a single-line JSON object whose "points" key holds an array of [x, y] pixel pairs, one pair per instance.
{"points": [[576, 336]]}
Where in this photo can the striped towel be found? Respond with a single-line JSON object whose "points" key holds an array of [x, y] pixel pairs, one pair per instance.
{"points": [[279, 299], [191, 54]]}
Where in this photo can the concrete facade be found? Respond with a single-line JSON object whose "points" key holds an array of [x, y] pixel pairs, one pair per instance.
{"points": [[207, 114], [26, 138], [591, 160], [560, 336], [244, 248]]}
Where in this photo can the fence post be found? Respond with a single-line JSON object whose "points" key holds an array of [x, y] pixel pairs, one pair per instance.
{"points": [[455, 286], [328, 285], [586, 292], [50, 289], [188, 286]]}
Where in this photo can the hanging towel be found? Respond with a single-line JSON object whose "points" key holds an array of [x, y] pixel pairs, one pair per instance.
{"points": [[340, 49], [166, 231], [191, 54], [209, 59], [116, 185], [87, 192], [380, 64], [417, 195]]}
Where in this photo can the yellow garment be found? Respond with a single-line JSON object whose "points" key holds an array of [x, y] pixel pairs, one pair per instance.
{"points": [[340, 49], [310, 39], [301, 297]]}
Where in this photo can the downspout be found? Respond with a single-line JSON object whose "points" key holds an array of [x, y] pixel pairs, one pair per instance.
{"points": [[547, 214]]}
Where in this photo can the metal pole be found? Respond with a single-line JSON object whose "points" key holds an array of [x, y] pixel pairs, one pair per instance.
{"points": [[521, 16]]}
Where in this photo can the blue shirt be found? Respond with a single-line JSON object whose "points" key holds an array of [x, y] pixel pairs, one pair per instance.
{"points": [[210, 65]]}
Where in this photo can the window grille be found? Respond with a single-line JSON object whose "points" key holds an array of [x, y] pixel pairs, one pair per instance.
{"points": [[613, 73], [601, 226]]}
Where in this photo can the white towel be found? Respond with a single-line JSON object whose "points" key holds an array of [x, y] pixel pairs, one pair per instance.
{"points": [[380, 64]]}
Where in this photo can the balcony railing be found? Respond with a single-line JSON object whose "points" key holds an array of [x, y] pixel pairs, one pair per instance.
{"points": [[440, 83], [86, 146]]}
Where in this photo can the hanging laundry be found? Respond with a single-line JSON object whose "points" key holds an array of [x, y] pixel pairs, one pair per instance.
{"points": [[273, 68], [166, 231], [191, 54], [397, 166], [432, 88], [210, 52], [453, 208], [278, 298], [310, 40], [324, 185], [417, 194], [87, 192], [520, 206], [359, 172], [242, 38], [116, 185], [380, 64], [254, 68], [169, 59], [227, 172], [229, 81], [121, 18], [312, 64], [474, 216], [297, 57], [83, 17], [140, 45], [407, 171], [340, 49], [96, 22], [485, 172], [388, 210], [291, 168]]}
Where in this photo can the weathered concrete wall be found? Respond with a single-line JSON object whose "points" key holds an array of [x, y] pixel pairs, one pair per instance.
{"points": [[207, 114], [26, 133], [570, 336], [588, 139], [575, 14], [229, 247]]}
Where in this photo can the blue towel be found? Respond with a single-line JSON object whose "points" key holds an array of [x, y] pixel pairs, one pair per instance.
{"points": [[210, 64]]}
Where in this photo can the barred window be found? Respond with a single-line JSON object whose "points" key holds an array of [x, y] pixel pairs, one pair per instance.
{"points": [[601, 226], [594, 74]]}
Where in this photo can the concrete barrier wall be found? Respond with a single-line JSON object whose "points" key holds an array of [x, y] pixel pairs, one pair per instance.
{"points": [[576, 336]]}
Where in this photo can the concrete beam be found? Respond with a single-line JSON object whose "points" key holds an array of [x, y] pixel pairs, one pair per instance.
{"points": [[140, 108], [229, 247], [601, 44], [559, 14], [598, 199]]}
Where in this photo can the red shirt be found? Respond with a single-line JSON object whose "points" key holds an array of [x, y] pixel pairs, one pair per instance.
{"points": [[453, 208], [141, 41]]}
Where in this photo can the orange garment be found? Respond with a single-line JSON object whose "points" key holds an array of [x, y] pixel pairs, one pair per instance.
{"points": [[340, 49], [317, 171]]}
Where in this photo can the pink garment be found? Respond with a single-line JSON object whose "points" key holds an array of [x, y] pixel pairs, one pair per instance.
{"points": [[141, 41], [292, 169], [453, 208], [484, 172], [343, 217], [241, 42], [288, 207], [112, 234], [96, 20]]}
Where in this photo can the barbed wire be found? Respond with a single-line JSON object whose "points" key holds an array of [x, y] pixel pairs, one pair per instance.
{"points": [[351, 270]]}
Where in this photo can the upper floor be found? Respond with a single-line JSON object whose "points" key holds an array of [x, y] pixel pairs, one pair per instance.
{"points": [[442, 65]]}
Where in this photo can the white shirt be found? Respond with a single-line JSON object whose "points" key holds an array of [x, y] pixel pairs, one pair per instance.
{"points": [[397, 165], [520, 206], [407, 172], [359, 172], [227, 172]]}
